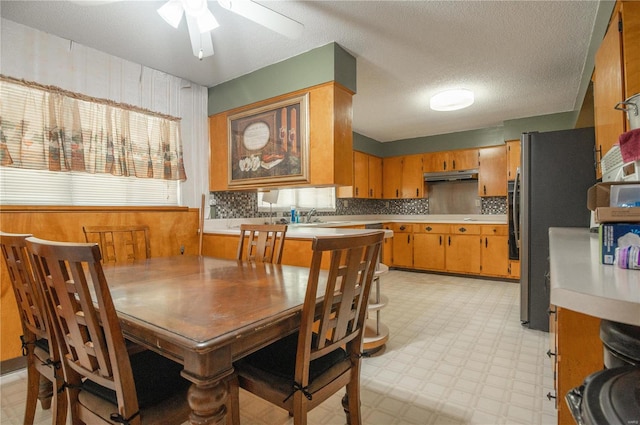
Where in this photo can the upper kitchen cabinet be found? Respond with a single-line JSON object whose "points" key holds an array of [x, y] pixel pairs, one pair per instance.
{"points": [[513, 158], [493, 169], [412, 177], [392, 177], [402, 177], [617, 75], [463, 159], [330, 139], [367, 178]]}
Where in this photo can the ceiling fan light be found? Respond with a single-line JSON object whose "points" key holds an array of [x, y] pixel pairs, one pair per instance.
{"points": [[452, 100], [206, 21], [171, 12]]}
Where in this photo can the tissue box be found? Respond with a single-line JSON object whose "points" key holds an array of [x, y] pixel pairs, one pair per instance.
{"points": [[614, 235], [623, 195]]}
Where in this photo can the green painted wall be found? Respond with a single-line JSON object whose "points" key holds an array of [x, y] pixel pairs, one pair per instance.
{"points": [[323, 64], [510, 130]]}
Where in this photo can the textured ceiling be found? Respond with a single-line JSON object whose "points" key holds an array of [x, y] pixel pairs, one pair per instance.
{"points": [[522, 58]]}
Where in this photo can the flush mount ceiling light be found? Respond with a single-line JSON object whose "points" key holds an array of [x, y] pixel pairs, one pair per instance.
{"points": [[451, 100], [200, 20]]}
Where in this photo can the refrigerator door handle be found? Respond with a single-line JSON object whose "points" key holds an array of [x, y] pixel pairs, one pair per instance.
{"points": [[515, 209]]}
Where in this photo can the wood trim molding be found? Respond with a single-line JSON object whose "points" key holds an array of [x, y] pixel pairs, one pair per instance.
{"points": [[57, 208]]}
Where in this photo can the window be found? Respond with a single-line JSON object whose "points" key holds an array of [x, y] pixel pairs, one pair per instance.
{"points": [[63, 148], [320, 198]]}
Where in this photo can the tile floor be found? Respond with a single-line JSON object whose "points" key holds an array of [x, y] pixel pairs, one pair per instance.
{"points": [[457, 354]]}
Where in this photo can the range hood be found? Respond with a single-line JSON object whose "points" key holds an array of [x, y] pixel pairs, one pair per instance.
{"points": [[451, 175]]}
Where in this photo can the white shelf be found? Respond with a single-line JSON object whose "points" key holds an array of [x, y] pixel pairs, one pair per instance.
{"points": [[373, 305]]}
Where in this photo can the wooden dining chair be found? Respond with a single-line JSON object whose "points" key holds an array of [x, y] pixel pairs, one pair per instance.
{"points": [[120, 243], [44, 376], [104, 384], [265, 242], [302, 370]]}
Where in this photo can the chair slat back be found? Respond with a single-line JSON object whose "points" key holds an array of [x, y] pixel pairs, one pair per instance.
{"points": [[21, 274], [120, 243], [91, 338], [265, 242], [353, 261]]}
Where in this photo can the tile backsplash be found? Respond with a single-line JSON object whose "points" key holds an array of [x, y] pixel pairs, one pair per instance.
{"points": [[244, 205]]}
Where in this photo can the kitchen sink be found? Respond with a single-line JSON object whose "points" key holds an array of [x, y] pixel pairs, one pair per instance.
{"points": [[318, 224]]}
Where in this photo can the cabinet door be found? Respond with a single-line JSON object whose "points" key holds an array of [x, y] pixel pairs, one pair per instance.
{"points": [[464, 159], [375, 177], [463, 254], [493, 170], [412, 177], [360, 175], [402, 245], [514, 269], [513, 158], [495, 255], [631, 47], [608, 90], [428, 251], [392, 177], [434, 162]]}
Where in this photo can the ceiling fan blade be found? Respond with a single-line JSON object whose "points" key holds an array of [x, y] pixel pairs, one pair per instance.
{"points": [[264, 16], [200, 41]]}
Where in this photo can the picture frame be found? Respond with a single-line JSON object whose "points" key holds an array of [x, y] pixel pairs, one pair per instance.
{"points": [[269, 145]]}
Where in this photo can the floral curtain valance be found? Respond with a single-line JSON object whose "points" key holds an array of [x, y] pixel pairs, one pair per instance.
{"points": [[48, 128]]}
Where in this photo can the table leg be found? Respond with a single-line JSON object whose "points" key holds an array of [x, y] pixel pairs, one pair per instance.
{"points": [[208, 403]]}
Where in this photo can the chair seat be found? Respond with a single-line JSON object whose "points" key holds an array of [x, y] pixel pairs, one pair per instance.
{"points": [[156, 378], [274, 365]]}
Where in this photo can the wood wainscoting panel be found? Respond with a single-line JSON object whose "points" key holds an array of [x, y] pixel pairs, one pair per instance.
{"points": [[170, 229]]}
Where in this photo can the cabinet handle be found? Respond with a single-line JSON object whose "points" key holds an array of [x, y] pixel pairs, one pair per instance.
{"points": [[486, 242], [441, 240], [408, 238], [356, 191], [428, 228], [444, 165], [484, 188], [402, 227], [370, 193], [454, 164], [550, 312], [397, 193], [462, 229], [550, 396], [549, 353], [417, 192], [449, 240]]}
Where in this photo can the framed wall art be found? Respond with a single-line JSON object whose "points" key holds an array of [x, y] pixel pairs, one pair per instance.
{"points": [[270, 144]]}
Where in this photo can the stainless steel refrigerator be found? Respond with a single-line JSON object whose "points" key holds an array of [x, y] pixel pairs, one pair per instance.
{"points": [[557, 169]]}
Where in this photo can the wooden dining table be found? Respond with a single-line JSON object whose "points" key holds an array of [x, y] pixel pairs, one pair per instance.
{"points": [[205, 313]]}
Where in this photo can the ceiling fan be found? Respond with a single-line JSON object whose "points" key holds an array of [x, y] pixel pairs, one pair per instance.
{"points": [[200, 20]]}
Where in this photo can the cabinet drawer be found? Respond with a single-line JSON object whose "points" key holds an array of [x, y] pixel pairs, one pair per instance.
{"points": [[402, 227], [465, 229], [431, 228], [495, 230]]}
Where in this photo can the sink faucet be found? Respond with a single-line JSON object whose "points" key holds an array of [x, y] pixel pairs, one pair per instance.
{"points": [[311, 212]]}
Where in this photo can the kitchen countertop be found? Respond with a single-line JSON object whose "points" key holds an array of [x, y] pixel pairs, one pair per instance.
{"points": [[580, 282], [232, 226]]}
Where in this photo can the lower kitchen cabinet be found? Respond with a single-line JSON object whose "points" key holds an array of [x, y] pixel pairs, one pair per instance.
{"points": [[429, 246], [495, 250], [463, 249], [576, 352], [514, 269], [402, 251]]}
